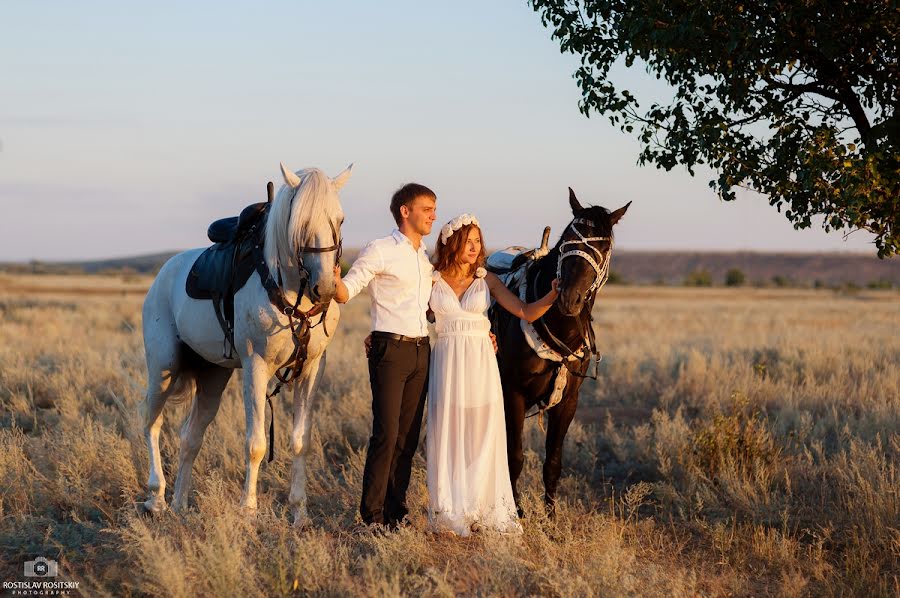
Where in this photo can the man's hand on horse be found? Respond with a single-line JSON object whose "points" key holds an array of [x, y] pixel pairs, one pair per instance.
{"points": [[367, 343]]}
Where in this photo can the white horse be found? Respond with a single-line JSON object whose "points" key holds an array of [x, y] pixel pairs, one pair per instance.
{"points": [[184, 342]]}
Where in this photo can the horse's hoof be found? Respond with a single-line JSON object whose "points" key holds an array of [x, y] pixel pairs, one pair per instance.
{"points": [[302, 525], [551, 510], [149, 510], [250, 514], [300, 517]]}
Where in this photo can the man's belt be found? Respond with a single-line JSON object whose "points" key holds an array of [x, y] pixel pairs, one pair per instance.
{"points": [[416, 340]]}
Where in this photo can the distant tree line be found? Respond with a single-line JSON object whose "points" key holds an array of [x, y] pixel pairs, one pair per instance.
{"points": [[735, 277], [700, 277]]}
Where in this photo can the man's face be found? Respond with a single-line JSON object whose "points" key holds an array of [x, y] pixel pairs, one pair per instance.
{"points": [[420, 214]]}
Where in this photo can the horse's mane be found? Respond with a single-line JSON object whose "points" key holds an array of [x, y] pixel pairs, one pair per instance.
{"points": [[291, 224]]}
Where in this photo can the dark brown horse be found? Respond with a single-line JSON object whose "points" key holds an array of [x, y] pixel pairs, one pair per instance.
{"points": [[580, 260]]}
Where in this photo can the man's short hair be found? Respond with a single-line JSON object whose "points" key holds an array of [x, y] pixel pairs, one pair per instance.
{"points": [[406, 195]]}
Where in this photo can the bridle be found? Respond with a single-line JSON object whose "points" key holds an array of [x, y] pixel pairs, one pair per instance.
{"points": [[337, 245], [298, 320], [294, 310], [601, 269]]}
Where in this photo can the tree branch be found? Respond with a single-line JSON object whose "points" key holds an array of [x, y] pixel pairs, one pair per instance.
{"points": [[799, 88]]}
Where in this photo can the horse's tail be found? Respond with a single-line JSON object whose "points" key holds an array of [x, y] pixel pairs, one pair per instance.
{"points": [[185, 380], [183, 387]]}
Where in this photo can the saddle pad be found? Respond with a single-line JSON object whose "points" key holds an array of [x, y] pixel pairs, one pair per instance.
{"points": [[500, 262]]}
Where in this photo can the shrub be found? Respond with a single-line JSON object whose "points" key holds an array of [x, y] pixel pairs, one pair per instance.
{"points": [[881, 283], [698, 278], [615, 278], [734, 278], [781, 281]]}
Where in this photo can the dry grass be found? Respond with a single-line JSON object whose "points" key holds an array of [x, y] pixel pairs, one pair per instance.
{"points": [[740, 442]]}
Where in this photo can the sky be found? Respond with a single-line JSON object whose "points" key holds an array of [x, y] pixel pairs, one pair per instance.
{"points": [[126, 129]]}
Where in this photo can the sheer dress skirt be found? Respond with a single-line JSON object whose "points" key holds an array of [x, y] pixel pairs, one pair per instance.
{"points": [[468, 474]]}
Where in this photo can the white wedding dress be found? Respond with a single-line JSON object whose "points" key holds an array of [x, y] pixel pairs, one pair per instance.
{"points": [[468, 475]]}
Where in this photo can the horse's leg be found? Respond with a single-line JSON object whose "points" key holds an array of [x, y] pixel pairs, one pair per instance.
{"points": [[164, 378], [153, 420], [211, 383], [558, 422], [515, 421], [256, 378], [312, 373]]}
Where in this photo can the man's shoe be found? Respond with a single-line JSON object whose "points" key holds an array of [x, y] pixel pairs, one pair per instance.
{"points": [[395, 524]]}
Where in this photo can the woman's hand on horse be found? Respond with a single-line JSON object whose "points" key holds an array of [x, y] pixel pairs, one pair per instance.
{"points": [[554, 286]]}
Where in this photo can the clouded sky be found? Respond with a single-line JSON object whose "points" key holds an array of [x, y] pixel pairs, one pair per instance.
{"points": [[126, 130]]}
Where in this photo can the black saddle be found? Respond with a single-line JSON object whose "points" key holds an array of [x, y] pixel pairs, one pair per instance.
{"points": [[226, 229], [226, 266]]}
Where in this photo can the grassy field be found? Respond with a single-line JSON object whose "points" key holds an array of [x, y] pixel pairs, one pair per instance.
{"points": [[739, 442]]}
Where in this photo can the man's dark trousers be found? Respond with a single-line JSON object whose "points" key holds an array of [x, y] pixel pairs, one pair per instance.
{"points": [[398, 374]]}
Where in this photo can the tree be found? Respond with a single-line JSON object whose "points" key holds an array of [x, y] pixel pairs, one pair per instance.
{"points": [[795, 100], [698, 278], [615, 278], [781, 281], [734, 278]]}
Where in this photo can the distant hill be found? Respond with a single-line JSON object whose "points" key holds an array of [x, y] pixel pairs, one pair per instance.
{"points": [[795, 268], [142, 264], [634, 267]]}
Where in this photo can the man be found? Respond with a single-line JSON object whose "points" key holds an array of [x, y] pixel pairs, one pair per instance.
{"points": [[397, 271]]}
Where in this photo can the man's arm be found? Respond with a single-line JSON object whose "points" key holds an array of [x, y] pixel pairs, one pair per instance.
{"points": [[367, 265]]}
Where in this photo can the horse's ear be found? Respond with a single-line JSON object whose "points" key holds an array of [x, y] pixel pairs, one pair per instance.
{"points": [[573, 201], [290, 178], [342, 178], [617, 215]]}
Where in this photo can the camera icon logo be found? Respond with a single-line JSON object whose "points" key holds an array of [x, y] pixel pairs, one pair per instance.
{"points": [[41, 567]]}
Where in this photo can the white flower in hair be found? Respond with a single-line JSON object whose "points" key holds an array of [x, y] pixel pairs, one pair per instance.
{"points": [[480, 272], [456, 224]]}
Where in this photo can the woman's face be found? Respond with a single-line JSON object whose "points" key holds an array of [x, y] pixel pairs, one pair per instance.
{"points": [[472, 248]]}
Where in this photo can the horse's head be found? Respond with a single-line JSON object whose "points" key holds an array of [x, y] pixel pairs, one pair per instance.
{"points": [[585, 249], [303, 233]]}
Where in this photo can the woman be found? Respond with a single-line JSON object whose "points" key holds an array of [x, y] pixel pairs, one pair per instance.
{"points": [[468, 475]]}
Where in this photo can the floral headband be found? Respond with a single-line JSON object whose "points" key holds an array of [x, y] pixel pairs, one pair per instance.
{"points": [[456, 224]]}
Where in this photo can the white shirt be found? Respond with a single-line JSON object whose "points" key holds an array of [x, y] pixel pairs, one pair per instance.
{"points": [[399, 280]]}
